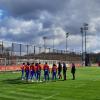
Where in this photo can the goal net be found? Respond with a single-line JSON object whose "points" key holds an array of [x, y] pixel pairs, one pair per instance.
{"points": [[3, 61]]}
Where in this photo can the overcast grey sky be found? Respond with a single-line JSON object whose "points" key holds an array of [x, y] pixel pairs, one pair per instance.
{"points": [[30, 20]]}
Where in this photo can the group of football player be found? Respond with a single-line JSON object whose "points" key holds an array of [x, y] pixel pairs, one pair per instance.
{"points": [[33, 72]]}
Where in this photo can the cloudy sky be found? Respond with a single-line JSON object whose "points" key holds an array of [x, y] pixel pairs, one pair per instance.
{"points": [[30, 20]]}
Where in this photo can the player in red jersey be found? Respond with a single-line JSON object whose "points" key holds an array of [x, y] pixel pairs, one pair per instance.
{"points": [[46, 71], [32, 71], [27, 70], [38, 71], [54, 71], [23, 71]]}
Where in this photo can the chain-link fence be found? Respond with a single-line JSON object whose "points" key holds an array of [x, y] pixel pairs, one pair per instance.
{"points": [[15, 53]]}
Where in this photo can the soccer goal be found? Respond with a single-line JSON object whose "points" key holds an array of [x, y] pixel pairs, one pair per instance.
{"points": [[3, 61]]}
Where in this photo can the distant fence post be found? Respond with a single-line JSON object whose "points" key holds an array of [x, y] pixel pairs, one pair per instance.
{"points": [[39, 50], [27, 46], [49, 50], [61, 51], [34, 49], [20, 51], [2, 49], [12, 49]]}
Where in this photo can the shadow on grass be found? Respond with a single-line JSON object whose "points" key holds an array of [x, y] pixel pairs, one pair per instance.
{"points": [[13, 81], [19, 81]]}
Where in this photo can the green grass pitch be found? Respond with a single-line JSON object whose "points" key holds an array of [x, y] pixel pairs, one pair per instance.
{"points": [[85, 87]]}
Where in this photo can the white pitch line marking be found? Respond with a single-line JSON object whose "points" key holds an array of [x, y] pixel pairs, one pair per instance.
{"points": [[48, 97]]}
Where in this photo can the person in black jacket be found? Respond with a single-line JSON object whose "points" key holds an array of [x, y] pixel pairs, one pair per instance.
{"points": [[64, 70], [59, 70], [73, 69]]}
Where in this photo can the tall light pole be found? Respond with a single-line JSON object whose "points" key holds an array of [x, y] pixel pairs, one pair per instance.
{"points": [[85, 30], [67, 34], [44, 38], [82, 44]]}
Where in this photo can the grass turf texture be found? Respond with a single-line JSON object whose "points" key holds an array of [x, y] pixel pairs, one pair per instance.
{"points": [[85, 87]]}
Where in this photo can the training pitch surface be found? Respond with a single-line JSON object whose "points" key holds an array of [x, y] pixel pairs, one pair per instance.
{"points": [[85, 87]]}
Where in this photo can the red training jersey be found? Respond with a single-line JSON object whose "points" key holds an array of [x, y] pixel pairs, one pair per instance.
{"points": [[54, 68], [27, 67], [32, 68], [23, 67], [38, 68], [46, 67]]}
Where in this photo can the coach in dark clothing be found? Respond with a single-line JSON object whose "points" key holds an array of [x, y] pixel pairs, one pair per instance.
{"points": [[64, 71], [73, 69], [59, 70]]}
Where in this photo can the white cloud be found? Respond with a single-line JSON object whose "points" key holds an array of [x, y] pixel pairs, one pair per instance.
{"points": [[23, 27], [19, 26], [3, 31], [94, 24]]}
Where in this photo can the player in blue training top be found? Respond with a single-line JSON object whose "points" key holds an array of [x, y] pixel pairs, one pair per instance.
{"points": [[73, 69], [59, 70], [64, 70]]}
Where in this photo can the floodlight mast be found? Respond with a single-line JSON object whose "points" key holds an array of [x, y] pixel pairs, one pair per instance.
{"points": [[82, 45], [85, 30], [67, 35], [44, 38], [84, 36]]}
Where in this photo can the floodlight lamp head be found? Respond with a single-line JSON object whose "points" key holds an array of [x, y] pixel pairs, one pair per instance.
{"points": [[85, 24], [81, 29], [67, 34], [44, 37]]}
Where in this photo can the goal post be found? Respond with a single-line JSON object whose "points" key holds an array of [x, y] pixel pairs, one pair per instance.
{"points": [[3, 61]]}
